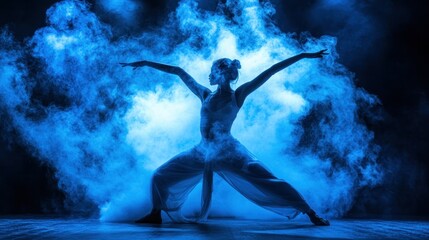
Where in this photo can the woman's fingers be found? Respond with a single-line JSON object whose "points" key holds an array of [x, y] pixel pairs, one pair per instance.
{"points": [[129, 64], [323, 52]]}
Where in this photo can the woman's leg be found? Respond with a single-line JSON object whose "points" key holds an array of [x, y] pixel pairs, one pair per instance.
{"points": [[253, 180], [172, 182]]}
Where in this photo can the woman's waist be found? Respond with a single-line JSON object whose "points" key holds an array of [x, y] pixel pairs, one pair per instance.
{"points": [[217, 138], [215, 128]]}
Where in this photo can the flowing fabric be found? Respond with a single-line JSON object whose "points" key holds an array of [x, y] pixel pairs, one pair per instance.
{"points": [[219, 152]]}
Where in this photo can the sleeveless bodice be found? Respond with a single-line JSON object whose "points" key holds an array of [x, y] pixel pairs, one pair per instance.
{"points": [[217, 118]]}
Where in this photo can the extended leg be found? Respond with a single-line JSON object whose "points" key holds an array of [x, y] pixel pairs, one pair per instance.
{"points": [[248, 176], [172, 182], [255, 168]]}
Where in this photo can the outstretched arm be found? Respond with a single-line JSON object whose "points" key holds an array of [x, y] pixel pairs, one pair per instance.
{"points": [[244, 90], [190, 82]]}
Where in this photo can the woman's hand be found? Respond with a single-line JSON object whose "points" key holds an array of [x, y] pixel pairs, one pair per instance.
{"points": [[318, 54], [135, 65]]}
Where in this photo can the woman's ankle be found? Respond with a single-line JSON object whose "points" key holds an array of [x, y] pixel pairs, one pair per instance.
{"points": [[310, 212], [155, 212]]}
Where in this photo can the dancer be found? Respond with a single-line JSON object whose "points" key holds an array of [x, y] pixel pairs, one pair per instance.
{"points": [[219, 152]]}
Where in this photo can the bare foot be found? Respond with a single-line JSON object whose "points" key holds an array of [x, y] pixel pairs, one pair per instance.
{"points": [[154, 217], [316, 220]]}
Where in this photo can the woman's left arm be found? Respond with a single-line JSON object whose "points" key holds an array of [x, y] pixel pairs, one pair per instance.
{"points": [[244, 90]]}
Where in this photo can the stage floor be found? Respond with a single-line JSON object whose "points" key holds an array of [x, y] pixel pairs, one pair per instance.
{"points": [[73, 228]]}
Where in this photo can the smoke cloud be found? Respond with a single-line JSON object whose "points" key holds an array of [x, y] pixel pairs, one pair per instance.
{"points": [[105, 129]]}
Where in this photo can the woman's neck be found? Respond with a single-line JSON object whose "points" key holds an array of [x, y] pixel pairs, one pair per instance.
{"points": [[224, 89]]}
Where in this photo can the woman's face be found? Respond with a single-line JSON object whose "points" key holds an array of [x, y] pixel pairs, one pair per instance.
{"points": [[215, 76]]}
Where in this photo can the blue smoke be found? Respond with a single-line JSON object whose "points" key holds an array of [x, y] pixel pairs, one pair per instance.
{"points": [[105, 129], [358, 29], [122, 14]]}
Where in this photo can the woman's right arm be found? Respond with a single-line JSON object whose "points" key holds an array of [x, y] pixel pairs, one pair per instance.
{"points": [[244, 90], [190, 82]]}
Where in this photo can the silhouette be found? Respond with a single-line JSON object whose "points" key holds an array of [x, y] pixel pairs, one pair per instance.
{"points": [[219, 152]]}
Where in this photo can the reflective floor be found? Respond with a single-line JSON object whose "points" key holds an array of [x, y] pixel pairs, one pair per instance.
{"points": [[73, 228]]}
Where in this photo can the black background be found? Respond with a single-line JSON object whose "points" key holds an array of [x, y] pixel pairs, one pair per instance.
{"points": [[387, 54]]}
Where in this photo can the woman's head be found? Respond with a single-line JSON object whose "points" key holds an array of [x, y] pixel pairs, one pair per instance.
{"points": [[224, 70]]}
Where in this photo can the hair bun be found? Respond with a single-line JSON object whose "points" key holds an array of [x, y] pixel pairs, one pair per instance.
{"points": [[236, 63]]}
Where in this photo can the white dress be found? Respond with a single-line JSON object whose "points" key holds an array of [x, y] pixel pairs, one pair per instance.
{"points": [[219, 152]]}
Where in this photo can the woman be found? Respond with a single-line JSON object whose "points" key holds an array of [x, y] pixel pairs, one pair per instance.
{"points": [[219, 152]]}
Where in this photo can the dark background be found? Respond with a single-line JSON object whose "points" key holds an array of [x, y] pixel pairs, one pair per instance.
{"points": [[383, 42]]}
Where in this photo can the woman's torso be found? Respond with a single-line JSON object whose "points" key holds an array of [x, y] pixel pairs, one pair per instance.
{"points": [[218, 112]]}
